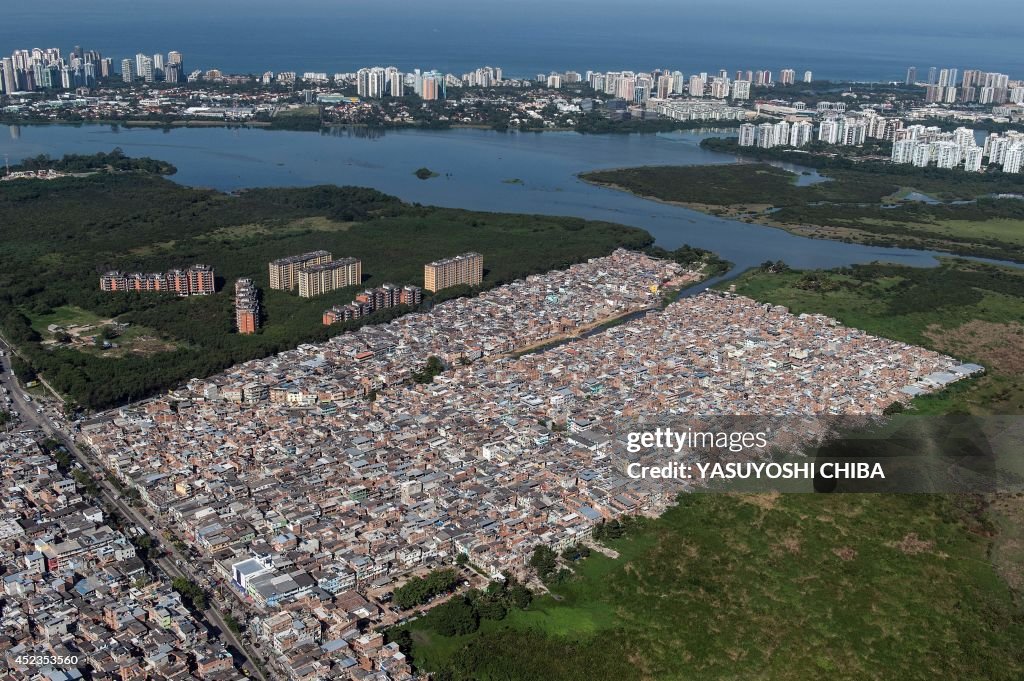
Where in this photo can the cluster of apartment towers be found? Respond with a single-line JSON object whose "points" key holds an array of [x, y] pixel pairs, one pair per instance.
{"points": [[317, 272], [312, 274]]}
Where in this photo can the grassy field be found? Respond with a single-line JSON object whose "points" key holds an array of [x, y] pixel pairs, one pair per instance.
{"points": [[61, 235], [65, 315], [865, 205], [766, 587]]}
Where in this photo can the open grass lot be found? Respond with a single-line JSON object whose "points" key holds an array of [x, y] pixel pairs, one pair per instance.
{"points": [[766, 587], [60, 236], [862, 202], [65, 316]]}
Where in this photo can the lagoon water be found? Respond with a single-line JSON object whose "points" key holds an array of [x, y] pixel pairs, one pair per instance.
{"points": [[477, 169]]}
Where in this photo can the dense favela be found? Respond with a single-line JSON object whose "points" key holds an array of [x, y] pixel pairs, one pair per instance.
{"points": [[575, 342]]}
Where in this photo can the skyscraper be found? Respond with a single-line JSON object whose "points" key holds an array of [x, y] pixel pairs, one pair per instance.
{"points": [[10, 78], [127, 70], [433, 86], [664, 86], [748, 135], [396, 83], [741, 89], [911, 75]]}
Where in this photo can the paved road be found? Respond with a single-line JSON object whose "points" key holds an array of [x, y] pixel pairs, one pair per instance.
{"points": [[169, 565]]}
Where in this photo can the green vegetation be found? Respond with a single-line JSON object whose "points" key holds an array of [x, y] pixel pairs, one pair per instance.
{"points": [[307, 118], [59, 236], [425, 173], [191, 593], [433, 367], [865, 202], [455, 617], [692, 256], [969, 310], [420, 590], [115, 161], [544, 561], [233, 624], [463, 615], [598, 123], [782, 587], [143, 546], [85, 481]]}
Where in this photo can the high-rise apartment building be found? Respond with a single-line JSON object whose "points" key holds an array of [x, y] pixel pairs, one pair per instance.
{"points": [[972, 159], [315, 280], [467, 268], [1013, 159], [664, 86], [741, 89], [801, 134], [284, 273], [748, 135], [198, 280], [432, 86], [146, 71], [10, 78], [911, 75], [127, 70], [247, 307]]}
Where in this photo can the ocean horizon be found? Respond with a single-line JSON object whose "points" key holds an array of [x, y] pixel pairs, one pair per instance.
{"points": [[254, 36]]}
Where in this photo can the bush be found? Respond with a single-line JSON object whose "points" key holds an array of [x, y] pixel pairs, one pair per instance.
{"points": [[455, 618], [490, 609]]}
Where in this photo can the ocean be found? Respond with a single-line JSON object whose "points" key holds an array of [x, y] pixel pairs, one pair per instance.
{"points": [[869, 40]]}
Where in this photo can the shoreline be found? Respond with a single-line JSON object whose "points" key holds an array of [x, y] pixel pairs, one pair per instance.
{"points": [[268, 125], [742, 213]]}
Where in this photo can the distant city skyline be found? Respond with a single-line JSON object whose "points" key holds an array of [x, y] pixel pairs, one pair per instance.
{"points": [[456, 36]]}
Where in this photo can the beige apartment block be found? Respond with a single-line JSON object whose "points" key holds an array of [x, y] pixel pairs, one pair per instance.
{"points": [[329, 276], [467, 268], [284, 273]]}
